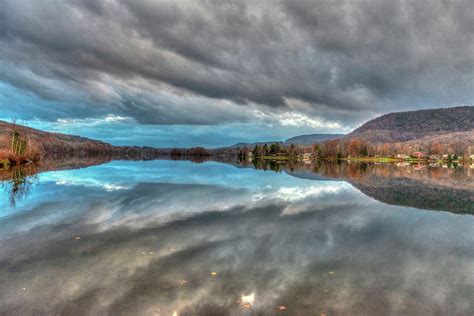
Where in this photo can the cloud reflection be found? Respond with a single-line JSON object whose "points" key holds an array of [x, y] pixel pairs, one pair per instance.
{"points": [[341, 253]]}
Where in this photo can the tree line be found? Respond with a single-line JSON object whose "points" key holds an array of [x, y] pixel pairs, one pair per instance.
{"points": [[358, 148]]}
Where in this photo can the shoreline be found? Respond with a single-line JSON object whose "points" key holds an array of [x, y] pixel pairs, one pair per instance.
{"points": [[7, 163], [368, 159]]}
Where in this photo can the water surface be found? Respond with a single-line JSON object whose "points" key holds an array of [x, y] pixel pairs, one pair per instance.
{"points": [[175, 237]]}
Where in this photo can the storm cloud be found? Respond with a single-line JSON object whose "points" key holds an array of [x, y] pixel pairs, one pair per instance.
{"points": [[218, 62]]}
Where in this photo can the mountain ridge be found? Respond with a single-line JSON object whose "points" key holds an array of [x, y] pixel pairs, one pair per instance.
{"points": [[412, 125], [308, 139]]}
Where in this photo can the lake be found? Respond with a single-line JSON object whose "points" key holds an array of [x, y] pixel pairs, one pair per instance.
{"points": [[168, 237]]}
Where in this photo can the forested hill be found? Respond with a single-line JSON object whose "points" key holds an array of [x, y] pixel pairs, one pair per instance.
{"points": [[32, 144], [50, 142], [405, 126], [310, 139]]}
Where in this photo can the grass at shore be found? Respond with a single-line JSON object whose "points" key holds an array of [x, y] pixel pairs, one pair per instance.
{"points": [[368, 159], [284, 158], [392, 160], [380, 159], [5, 163], [359, 159]]}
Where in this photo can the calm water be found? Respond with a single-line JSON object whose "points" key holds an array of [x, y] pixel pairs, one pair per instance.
{"points": [[181, 238]]}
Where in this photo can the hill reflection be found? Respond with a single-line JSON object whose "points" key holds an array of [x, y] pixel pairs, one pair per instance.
{"points": [[17, 181], [434, 187], [174, 237]]}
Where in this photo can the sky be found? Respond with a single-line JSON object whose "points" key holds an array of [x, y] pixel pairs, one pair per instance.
{"points": [[214, 73]]}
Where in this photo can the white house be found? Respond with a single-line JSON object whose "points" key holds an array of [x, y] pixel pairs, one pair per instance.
{"points": [[402, 156]]}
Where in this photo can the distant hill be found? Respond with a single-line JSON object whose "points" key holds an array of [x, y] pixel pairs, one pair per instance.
{"points": [[241, 145], [422, 124], [305, 140], [312, 138]]}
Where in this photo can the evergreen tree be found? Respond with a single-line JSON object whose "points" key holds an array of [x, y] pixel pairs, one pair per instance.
{"points": [[265, 150]]}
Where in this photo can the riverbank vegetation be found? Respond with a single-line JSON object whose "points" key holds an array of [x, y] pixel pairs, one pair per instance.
{"points": [[359, 150], [17, 147]]}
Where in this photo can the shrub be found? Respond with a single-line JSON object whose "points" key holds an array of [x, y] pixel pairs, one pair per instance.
{"points": [[19, 145]]}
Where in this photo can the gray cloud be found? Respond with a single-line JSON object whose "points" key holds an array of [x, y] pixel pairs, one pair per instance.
{"points": [[343, 61]]}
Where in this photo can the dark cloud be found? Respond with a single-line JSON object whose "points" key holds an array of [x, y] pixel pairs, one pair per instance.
{"points": [[344, 61]]}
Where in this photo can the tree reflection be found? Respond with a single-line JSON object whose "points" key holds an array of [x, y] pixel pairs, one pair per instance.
{"points": [[17, 182], [448, 187]]}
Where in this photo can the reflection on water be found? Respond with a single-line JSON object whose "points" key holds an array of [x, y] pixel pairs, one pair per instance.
{"points": [[447, 187], [17, 182], [178, 238]]}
